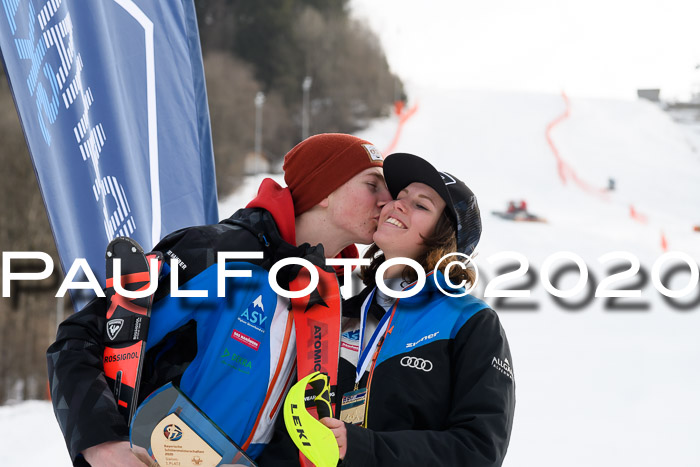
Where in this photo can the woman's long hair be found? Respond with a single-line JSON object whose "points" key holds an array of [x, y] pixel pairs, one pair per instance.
{"points": [[443, 241]]}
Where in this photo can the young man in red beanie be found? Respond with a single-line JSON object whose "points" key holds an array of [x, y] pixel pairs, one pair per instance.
{"points": [[333, 199]]}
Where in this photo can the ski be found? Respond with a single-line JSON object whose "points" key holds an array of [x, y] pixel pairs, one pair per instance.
{"points": [[127, 320], [317, 319]]}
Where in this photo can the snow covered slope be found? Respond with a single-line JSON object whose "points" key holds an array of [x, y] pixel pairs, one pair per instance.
{"points": [[597, 385]]}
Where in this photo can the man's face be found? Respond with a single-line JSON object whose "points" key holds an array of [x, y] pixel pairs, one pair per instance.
{"points": [[355, 206]]}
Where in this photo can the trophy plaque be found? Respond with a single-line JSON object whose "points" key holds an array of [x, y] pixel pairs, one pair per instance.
{"points": [[175, 432]]}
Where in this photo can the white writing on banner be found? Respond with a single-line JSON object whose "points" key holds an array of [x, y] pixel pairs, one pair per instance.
{"points": [[55, 80]]}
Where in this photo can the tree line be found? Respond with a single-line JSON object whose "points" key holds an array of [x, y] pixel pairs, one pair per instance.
{"points": [[271, 47]]}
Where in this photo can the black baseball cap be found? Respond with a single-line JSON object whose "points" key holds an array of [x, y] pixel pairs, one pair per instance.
{"points": [[402, 169]]}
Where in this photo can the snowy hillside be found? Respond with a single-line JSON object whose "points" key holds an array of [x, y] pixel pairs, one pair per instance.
{"points": [[596, 385]]}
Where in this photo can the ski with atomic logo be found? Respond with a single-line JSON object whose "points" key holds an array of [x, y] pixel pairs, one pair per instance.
{"points": [[128, 318], [317, 319]]}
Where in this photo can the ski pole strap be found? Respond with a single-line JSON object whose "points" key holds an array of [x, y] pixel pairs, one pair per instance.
{"points": [[314, 440]]}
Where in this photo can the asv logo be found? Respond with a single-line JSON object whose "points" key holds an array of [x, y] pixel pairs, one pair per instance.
{"points": [[113, 328], [255, 313]]}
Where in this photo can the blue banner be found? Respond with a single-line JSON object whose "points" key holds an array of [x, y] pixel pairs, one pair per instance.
{"points": [[112, 100]]}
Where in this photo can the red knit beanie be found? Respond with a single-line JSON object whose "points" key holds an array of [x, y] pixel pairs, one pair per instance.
{"points": [[317, 166]]}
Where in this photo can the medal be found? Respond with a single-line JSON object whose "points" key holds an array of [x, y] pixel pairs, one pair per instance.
{"points": [[352, 408]]}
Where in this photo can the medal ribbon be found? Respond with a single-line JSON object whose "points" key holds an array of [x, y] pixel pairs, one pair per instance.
{"points": [[366, 353]]}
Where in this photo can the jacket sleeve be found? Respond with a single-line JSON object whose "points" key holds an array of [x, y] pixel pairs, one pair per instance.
{"points": [[83, 403], [481, 417]]}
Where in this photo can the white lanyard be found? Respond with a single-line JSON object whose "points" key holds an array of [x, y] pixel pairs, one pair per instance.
{"points": [[365, 355]]}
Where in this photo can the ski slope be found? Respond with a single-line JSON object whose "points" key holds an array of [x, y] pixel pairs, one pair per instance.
{"points": [[597, 385], [594, 387]]}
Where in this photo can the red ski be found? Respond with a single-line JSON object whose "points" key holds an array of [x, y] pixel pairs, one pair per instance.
{"points": [[127, 320], [317, 324]]}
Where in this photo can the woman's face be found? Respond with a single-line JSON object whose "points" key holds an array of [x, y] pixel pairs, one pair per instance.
{"points": [[404, 221]]}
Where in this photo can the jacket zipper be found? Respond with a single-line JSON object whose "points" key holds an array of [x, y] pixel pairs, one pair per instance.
{"points": [[284, 392], [271, 387]]}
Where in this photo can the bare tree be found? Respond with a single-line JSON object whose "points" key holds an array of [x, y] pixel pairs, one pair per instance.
{"points": [[27, 319]]}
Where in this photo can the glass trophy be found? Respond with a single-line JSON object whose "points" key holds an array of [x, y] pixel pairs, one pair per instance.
{"points": [[176, 433]]}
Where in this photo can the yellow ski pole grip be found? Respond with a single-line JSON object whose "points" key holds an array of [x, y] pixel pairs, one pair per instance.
{"points": [[314, 440]]}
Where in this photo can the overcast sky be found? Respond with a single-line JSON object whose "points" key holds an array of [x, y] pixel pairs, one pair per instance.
{"points": [[599, 48]]}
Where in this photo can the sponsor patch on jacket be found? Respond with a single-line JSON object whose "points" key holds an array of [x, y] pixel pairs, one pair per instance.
{"points": [[350, 340], [350, 346], [503, 366], [254, 315], [246, 340], [422, 339], [236, 361]]}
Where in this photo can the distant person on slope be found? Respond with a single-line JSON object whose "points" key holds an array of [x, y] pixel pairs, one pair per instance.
{"points": [[523, 207]]}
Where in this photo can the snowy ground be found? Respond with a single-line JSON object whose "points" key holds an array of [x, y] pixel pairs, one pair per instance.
{"points": [[597, 385], [30, 436]]}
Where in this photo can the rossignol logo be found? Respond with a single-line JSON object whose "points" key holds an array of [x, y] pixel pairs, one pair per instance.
{"points": [[503, 366], [121, 357], [318, 345], [417, 363], [424, 338], [113, 327]]}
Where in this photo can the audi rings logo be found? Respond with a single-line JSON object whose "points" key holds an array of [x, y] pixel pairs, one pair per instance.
{"points": [[417, 363]]}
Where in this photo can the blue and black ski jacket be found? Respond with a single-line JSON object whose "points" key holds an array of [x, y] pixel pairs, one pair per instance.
{"points": [[441, 391], [233, 356]]}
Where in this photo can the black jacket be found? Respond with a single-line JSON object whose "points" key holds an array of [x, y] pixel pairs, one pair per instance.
{"points": [[83, 403], [441, 391]]}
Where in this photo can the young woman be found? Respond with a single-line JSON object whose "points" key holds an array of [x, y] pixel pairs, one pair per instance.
{"points": [[426, 379]]}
